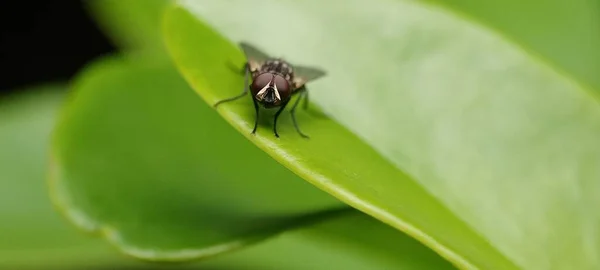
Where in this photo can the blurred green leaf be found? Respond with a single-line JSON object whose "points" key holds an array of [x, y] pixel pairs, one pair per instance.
{"points": [[139, 157], [490, 156], [33, 235]]}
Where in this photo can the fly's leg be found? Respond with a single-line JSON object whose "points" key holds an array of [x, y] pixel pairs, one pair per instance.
{"points": [[244, 92], [277, 116], [236, 69], [255, 120], [303, 94]]}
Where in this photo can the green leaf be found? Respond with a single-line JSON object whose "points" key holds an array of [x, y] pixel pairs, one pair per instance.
{"points": [[209, 191], [564, 34], [352, 241], [33, 235], [362, 178], [139, 158], [489, 156]]}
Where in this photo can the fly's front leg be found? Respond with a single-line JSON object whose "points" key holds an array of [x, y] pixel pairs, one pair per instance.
{"points": [[277, 116], [303, 94], [244, 91], [255, 120], [237, 69]]}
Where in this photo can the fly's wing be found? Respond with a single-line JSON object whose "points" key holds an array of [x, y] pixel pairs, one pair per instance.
{"points": [[254, 55], [303, 74]]}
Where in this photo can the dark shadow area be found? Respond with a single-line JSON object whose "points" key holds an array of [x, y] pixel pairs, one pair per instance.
{"points": [[45, 41]]}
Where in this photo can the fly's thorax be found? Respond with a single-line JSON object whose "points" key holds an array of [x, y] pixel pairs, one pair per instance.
{"points": [[270, 89], [279, 66]]}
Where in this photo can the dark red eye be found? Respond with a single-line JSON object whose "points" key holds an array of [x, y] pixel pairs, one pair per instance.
{"points": [[261, 81], [282, 86]]}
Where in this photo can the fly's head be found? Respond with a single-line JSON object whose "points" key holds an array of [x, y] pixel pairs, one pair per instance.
{"points": [[270, 89]]}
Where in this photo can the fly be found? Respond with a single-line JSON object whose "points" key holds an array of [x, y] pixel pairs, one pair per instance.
{"points": [[274, 82]]}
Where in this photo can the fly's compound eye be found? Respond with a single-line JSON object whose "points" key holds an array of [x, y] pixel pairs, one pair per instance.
{"points": [[261, 81], [270, 89], [282, 86], [264, 89]]}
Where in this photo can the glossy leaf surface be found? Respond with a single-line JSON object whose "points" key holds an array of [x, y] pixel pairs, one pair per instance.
{"points": [[563, 34], [489, 155]]}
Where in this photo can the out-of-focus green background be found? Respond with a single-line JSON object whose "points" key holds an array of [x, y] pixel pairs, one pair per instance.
{"points": [[43, 44]]}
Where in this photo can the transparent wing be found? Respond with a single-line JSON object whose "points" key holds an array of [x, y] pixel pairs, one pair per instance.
{"points": [[252, 53], [305, 74], [302, 74]]}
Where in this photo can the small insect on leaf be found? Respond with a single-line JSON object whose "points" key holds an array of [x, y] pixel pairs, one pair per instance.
{"points": [[273, 82]]}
